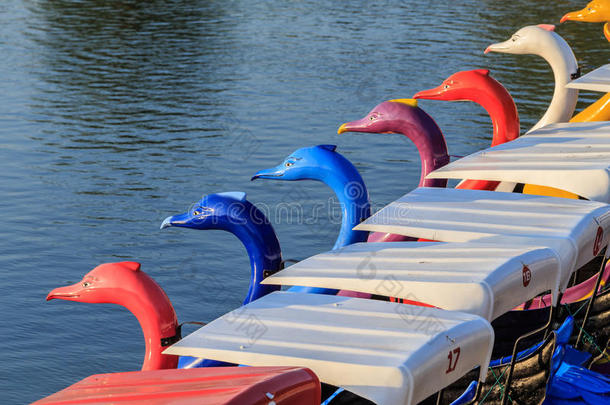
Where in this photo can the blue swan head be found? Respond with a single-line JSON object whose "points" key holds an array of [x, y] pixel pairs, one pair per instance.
{"points": [[323, 163], [232, 212], [213, 211]]}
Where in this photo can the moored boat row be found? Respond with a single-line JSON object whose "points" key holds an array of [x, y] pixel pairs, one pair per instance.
{"points": [[440, 309]]}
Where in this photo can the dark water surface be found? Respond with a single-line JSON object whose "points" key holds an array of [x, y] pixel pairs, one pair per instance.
{"points": [[116, 114]]}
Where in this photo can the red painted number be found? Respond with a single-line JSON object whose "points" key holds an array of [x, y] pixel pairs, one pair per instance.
{"points": [[453, 357]]}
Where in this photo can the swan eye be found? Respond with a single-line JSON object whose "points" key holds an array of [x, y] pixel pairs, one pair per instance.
{"points": [[446, 86], [288, 164], [373, 117], [86, 284], [196, 212]]}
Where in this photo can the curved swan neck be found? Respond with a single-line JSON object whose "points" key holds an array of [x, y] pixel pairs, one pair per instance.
{"points": [[421, 129], [560, 57], [353, 198], [498, 103], [432, 147], [500, 106], [261, 243], [158, 321]]}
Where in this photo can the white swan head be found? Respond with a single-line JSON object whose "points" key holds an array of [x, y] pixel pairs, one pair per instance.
{"points": [[542, 40], [528, 40]]}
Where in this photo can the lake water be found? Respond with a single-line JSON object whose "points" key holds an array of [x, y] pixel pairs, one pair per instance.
{"points": [[116, 114]]}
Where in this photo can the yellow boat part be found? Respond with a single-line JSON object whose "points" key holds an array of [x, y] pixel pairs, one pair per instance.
{"points": [[598, 111], [547, 191]]}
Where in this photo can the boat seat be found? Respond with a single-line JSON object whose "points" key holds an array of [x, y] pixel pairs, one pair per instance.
{"points": [[576, 229], [567, 159], [485, 279], [385, 352]]}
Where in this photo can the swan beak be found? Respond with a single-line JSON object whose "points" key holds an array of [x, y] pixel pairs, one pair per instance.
{"points": [[430, 94], [68, 293], [498, 47], [567, 17], [580, 15], [167, 222], [272, 173], [176, 220], [361, 125]]}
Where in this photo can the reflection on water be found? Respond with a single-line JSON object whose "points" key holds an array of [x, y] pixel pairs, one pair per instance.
{"points": [[119, 113], [117, 77]]}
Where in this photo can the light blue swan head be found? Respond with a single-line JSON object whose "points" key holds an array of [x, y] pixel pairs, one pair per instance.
{"points": [[323, 163], [311, 163]]}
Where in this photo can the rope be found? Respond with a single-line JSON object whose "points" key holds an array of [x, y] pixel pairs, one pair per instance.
{"points": [[590, 339], [587, 337], [496, 383], [567, 307]]}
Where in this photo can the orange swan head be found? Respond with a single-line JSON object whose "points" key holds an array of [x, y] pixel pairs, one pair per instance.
{"points": [[596, 11]]}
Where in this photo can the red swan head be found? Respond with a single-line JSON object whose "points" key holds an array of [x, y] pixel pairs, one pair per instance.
{"points": [[125, 284], [457, 87], [478, 86]]}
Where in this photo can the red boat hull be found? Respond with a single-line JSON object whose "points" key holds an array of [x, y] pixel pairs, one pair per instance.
{"points": [[210, 386]]}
